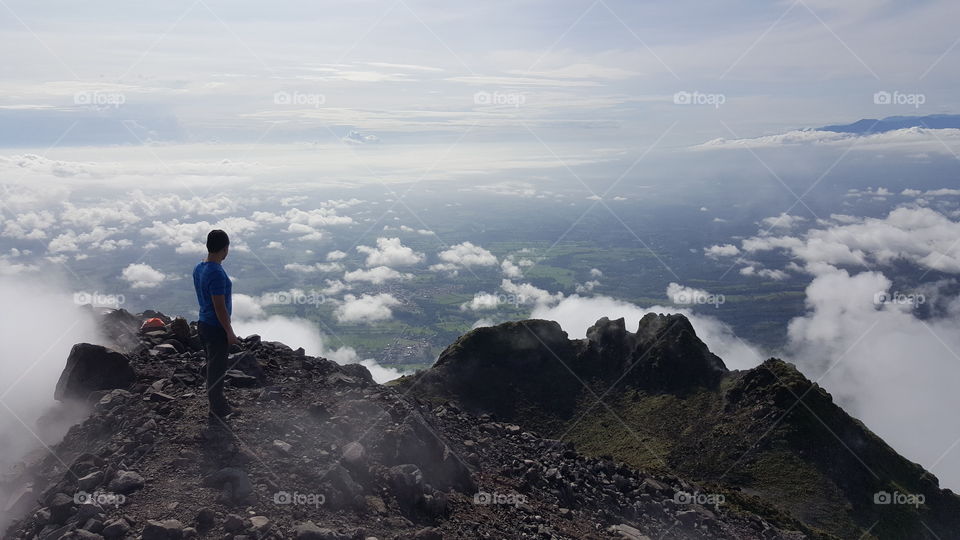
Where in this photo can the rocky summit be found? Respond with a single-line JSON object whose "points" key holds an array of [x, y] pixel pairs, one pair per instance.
{"points": [[516, 432]]}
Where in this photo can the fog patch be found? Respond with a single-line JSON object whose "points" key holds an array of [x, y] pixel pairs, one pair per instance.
{"points": [[42, 325], [297, 332]]}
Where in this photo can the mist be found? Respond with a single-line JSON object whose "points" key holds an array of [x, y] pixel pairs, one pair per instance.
{"points": [[884, 365], [297, 332], [41, 324]]}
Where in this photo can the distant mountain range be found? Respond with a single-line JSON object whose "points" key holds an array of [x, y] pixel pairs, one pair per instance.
{"points": [[890, 123]]}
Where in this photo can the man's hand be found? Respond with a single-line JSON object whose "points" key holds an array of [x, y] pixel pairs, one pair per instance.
{"points": [[220, 307]]}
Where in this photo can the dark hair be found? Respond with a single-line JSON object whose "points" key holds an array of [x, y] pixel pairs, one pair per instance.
{"points": [[217, 240]]}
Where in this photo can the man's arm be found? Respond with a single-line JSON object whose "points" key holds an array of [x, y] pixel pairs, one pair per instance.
{"points": [[220, 307]]}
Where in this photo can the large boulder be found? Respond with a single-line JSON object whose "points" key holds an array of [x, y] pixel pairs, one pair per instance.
{"points": [[93, 367]]}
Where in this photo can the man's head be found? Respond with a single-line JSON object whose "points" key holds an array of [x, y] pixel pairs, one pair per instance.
{"points": [[218, 244]]}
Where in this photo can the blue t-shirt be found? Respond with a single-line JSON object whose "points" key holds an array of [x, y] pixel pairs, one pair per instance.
{"points": [[209, 278]]}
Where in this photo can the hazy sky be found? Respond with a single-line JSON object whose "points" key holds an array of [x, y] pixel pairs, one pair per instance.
{"points": [[401, 70]]}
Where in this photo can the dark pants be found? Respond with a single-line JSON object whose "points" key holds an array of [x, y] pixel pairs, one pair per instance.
{"points": [[214, 340]]}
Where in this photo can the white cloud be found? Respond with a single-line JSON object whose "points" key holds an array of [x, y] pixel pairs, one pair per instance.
{"points": [[481, 323], [381, 374], [172, 203], [783, 221], [918, 235], [526, 293], [305, 232], [512, 189], [311, 268], [390, 252], [366, 308], [680, 294], [98, 238], [910, 139], [293, 201], [297, 332], [510, 269], [863, 340], [267, 217], [94, 216], [467, 254], [377, 275], [717, 251], [776, 275], [142, 276], [10, 268], [333, 287], [336, 255], [892, 370], [318, 217], [451, 270], [482, 301], [190, 238], [246, 307], [29, 225], [587, 286]]}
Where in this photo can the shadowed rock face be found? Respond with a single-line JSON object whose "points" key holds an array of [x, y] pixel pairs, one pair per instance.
{"points": [[93, 367], [510, 366], [664, 354], [533, 363]]}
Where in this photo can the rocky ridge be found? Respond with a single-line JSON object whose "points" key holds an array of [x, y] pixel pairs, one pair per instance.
{"points": [[768, 439], [319, 451]]}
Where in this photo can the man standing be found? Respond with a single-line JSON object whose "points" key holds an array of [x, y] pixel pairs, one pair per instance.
{"points": [[214, 293]]}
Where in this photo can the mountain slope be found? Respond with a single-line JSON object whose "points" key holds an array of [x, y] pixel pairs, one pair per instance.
{"points": [[767, 438]]}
